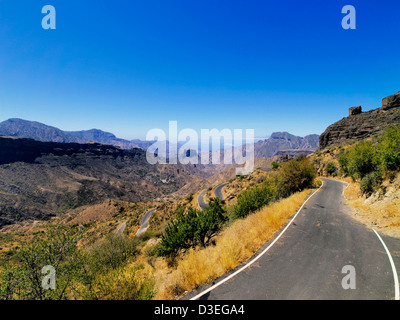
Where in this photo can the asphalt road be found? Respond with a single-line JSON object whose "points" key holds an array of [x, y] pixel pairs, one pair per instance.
{"points": [[218, 191], [121, 228], [200, 200], [307, 261], [144, 223]]}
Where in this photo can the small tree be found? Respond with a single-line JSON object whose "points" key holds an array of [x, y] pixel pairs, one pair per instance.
{"points": [[294, 176], [192, 229], [58, 249], [179, 234], [210, 222], [275, 165]]}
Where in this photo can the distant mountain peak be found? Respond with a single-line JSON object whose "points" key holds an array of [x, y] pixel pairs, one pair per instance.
{"points": [[279, 142], [21, 128]]}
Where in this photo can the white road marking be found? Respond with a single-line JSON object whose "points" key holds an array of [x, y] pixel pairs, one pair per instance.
{"points": [[395, 277], [348, 185], [260, 255]]}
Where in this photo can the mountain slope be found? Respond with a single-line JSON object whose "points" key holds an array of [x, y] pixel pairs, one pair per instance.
{"points": [[41, 132], [35, 130], [284, 141], [42, 179]]}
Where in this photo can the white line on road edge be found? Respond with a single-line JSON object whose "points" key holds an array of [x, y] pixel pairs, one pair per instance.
{"points": [[396, 279], [348, 185], [260, 255]]}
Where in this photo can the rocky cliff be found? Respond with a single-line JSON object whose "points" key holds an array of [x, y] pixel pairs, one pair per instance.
{"points": [[360, 125]]}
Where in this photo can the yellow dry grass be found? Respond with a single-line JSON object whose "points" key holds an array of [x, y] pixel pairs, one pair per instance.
{"points": [[234, 245], [380, 211]]}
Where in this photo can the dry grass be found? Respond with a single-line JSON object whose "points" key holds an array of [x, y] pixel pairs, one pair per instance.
{"points": [[381, 211], [236, 244], [131, 282]]}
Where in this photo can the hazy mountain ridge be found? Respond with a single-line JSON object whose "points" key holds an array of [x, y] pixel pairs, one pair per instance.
{"points": [[277, 142], [281, 142], [41, 132]]}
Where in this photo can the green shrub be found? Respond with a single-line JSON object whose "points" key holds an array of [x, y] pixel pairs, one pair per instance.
{"points": [[370, 183], [368, 161], [331, 169], [362, 159], [22, 280], [294, 176], [275, 165], [112, 252], [251, 200], [389, 149], [192, 229]]}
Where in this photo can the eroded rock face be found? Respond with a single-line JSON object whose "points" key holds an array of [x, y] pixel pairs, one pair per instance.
{"points": [[392, 101], [361, 125]]}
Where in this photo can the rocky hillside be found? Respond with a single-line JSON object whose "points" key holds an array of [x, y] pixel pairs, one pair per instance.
{"points": [[360, 125], [42, 179]]}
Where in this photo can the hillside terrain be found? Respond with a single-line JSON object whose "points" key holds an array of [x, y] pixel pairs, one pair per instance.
{"points": [[42, 179], [364, 151], [45, 171], [183, 248]]}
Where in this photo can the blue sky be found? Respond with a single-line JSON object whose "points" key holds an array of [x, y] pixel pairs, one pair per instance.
{"points": [[131, 66]]}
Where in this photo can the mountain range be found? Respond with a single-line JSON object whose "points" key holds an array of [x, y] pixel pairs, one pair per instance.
{"points": [[41, 132], [278, 142], [45, 171], [284, 142]]}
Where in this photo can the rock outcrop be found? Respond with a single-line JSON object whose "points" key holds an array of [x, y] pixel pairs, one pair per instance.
{"points": [[355, 110], [360, 125], [392, 101]]}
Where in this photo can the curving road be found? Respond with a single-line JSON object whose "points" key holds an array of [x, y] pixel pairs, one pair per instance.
{"points": [[218, 191], [200, 200], [144, 223], [121, 228], [309, 260]]}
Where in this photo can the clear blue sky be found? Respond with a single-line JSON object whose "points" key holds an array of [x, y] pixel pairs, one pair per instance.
{"points": [[130, 66]]}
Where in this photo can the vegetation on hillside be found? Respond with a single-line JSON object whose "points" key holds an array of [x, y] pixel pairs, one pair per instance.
{"points": [[290, 177], [369, 162], [125, 267]]}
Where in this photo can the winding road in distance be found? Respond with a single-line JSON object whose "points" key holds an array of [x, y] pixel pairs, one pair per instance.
{"points": [[200, 200], [144, 223], [217, 193], [312, 256]]}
